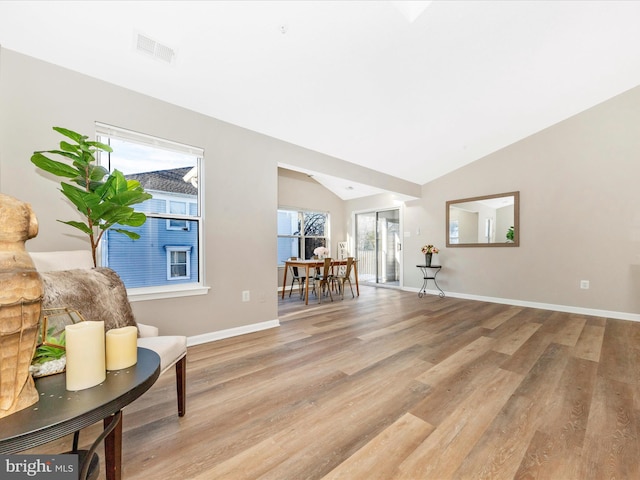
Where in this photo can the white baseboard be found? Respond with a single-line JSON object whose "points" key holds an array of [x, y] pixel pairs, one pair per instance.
{"points": [[231, 332], [257, 327], [634, 317]]}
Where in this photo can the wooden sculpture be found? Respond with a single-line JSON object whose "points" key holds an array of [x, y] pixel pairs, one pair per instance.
{"points": [[20, 301]]}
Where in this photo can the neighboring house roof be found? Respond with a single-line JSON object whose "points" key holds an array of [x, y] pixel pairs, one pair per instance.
{"points": [[166, 181]]}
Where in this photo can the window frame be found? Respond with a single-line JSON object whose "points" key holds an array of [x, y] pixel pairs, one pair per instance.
{"points": [[185, 223], [197, 287], [302, 237], [170, 249]]}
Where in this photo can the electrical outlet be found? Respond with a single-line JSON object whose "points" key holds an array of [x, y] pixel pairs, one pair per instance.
{"points": [[584, 284], [246, 296]]}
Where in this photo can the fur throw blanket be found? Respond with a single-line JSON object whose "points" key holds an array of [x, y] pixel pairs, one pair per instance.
{"points": [[97, 293]]}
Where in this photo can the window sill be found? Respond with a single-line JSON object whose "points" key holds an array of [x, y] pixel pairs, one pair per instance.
{"points": [[156, 293]]}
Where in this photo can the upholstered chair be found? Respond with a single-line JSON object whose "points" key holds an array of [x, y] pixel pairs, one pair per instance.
{"points": [[52, 266]]}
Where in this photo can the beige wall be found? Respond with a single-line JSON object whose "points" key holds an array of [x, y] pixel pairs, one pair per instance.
{"points": [[241, 185], [579, 215]]}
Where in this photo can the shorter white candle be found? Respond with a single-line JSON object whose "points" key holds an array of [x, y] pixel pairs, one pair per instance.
{"points": [[85, 355], [122, 347]]}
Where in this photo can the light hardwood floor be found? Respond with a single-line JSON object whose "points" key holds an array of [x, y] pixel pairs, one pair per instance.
{"points": [[390, 386]]}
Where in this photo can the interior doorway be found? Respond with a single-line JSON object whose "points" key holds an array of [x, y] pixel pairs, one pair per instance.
{"points": [[378, 247]]}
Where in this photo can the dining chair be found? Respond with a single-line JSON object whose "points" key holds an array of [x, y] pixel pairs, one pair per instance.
{"points": [[345, 277], [324, 280], [314, 272], [296, 277]]}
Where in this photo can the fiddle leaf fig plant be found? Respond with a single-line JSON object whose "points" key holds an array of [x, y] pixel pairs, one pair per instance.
{"points": [[103, 198]]}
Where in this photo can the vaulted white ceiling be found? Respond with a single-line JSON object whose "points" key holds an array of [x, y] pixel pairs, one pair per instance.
{"points": [[356, 80]]}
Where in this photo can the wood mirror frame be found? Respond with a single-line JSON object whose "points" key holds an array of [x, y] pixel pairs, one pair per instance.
{"points": [[488, 216]]}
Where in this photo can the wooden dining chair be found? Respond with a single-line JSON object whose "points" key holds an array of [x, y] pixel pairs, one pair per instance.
{"points": [[324, 280], [345, 277], [296, 277]]}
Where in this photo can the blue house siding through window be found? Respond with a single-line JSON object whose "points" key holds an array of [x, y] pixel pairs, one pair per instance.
{"points": [[146, 262]]}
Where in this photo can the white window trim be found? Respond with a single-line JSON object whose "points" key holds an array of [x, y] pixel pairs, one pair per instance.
{"points": [[186, 203], [299, 210], [187, 251], [176, 290], [130, 135], [141, 294]]}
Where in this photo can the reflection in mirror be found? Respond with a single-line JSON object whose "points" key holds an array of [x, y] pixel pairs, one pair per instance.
{"points": [[485, 221]]}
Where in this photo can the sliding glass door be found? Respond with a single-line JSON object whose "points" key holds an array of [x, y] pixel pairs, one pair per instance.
{"points": [[378, 247]]}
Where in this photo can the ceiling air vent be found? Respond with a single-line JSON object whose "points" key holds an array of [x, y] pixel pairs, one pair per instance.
{"points": [[151, 48]]}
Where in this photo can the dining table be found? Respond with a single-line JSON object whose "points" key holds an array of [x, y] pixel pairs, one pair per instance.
{"points": [[313, 264]]}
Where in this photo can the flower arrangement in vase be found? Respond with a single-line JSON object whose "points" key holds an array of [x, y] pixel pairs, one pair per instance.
{"points": [[321, 252], [428, 251]]}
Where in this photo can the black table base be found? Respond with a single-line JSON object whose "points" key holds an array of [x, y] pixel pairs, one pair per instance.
{"points": [[429, 272]]}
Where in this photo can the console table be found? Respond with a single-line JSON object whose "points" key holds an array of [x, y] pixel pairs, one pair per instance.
{"points": [[429, 273], [59, 412]]}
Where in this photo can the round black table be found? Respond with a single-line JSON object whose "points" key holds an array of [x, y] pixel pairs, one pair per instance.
{"points": [[60, 412]]}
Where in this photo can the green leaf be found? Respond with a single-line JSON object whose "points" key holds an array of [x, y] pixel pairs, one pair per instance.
{"points": [[130, 234], [67, 147], [129, 197], [97, 173], [106, 190], [57, 168], [137, 219], [70, 134], [100, 146], [117, 214], [119, 182], [79, 225], [87, 149], [83, 200], [46, 353], [56, 340]]}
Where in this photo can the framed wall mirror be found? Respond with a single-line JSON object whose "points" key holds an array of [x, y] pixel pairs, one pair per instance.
{"points": [[485, 221]]}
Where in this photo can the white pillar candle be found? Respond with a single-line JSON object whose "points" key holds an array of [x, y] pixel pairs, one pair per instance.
{"points": [[122, 347], [85, 355]]}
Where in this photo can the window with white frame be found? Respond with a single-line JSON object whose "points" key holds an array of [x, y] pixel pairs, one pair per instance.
{"points": [[169, 250], [180, 207], [178, 262], [177, 208], [300, 232]]}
